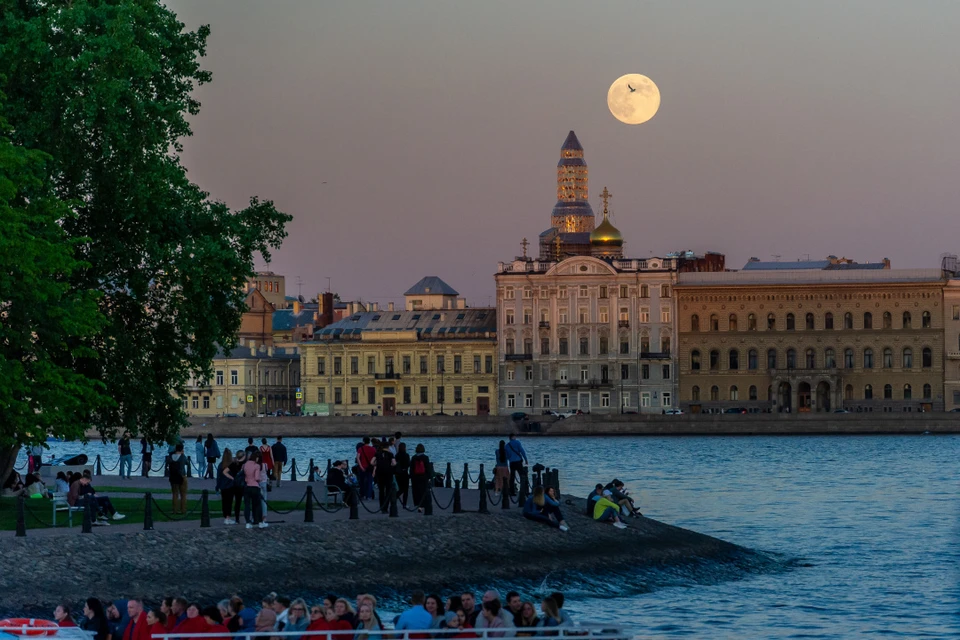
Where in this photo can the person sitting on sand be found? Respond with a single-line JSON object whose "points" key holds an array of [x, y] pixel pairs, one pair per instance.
{"points": [[606, 510], [541, 508]]}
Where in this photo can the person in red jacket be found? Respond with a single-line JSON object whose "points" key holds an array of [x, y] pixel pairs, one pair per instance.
{"points": [[328, 621], [157, 623], [62, 615], [195, 623], [214, 620], [137, 628]]}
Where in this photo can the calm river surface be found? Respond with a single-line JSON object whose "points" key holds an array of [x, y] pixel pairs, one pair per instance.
{"points": [[863, 532]]}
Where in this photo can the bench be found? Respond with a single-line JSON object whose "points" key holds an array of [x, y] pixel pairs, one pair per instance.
{"points": [[335, 493], [60, 504]]}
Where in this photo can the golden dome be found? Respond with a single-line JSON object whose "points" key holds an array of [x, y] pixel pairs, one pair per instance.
{"points": [[606, 235]]}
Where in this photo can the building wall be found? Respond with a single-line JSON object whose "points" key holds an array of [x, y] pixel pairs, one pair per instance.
{"points": [[273, 380], [272, 285], [256, 323], [544, 304], [951, 345], [706, 328], [330, 367]]}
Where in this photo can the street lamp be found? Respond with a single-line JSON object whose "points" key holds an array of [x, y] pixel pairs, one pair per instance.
{"points": [[443, 396], [621, 390]]}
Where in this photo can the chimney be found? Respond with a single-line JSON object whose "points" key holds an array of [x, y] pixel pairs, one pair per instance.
{"points": [[297, 306], [253, 350], [376, 306], [269, 352], [389, 306]]}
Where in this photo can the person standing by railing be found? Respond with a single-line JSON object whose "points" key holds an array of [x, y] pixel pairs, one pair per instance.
{"points": [[178, 480], [126, 456], [146, 456], [199, 460], [211, 452], [517, 458], [419, 476], [279, 451], [252, 500]]}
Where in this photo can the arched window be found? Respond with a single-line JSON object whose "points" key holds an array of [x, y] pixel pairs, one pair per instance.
{"points": [[733, 360], [868, 392], [714, 360], [791, 359], [811, 359], [808, 322], [771, 322], [925, 320], [868, 320], [868, 358], [926, 358], [887, 320], [752, 359], [907, 320], [887, 358], [695, 360], [771, 358], [828, 320], [848, 320], [888, 392], [770, 393], [694, 322], [753, 392], [644, 291], [733, 322], [714, 322], [848, 392], [751, 322], [907, 392], [848, 358], [829, 359], [908, 358], [791, 322], [927, 392], [695, 394], [734, 393], [714, 392]]}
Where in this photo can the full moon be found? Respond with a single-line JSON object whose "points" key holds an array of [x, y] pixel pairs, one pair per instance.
{"points": [[633, 98]]}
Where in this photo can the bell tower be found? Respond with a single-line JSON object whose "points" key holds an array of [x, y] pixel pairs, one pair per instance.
{"points": [[572, 213]]}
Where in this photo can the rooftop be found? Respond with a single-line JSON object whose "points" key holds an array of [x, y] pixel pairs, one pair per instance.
{"points": [[809, 276], [431, 286], [243, 352], [286, 319], [571, 143], [429, 323]]}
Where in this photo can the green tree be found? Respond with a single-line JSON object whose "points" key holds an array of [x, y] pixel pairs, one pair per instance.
{"points": [[104, 88]]}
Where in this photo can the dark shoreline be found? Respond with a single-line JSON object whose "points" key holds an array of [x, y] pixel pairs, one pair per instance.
{"points": [[344, 557]]}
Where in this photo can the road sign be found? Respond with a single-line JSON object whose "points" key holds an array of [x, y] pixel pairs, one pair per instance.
{"points": [[250, 397], [299, 395]]}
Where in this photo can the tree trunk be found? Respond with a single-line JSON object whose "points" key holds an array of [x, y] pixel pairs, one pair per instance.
{"points": [[8, 456]]}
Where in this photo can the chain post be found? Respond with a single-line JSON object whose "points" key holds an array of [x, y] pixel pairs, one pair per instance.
{"points": [[449, 477], [524, 490], [308, 510], [205, 509], [99, 469], [293, 469], [428, 508], [466, 476], [354, 503], [483, 493], [189, 467], [392, 496], [87, 515], [148, 511], [310, 475], [457, 507], [21, 517]]}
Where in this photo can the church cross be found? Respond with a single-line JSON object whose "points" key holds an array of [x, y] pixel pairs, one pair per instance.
{"points": [[524, 244], [605, 196]]}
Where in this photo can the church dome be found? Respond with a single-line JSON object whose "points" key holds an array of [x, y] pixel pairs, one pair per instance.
{"points": [[606, 235]]}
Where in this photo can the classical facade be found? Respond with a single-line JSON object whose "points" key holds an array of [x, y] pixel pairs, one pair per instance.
{"points": [[247, 381], [951, 341], [811, 340], [420, 360], [272, 285]]}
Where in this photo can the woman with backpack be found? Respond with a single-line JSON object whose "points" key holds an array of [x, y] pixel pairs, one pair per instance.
{"points": [[403, 472], [231, 495], [501, 471], [178, 480], [385, 469], [419, 476]]}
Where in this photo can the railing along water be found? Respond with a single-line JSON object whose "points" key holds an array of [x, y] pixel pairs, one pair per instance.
{"points": [[585, 630]]}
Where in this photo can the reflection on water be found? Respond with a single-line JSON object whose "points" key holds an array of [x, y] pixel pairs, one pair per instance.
{"points": [[861, 532]]}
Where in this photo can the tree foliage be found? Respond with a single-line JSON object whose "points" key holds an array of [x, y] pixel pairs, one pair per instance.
{"points": [[104, 89]]}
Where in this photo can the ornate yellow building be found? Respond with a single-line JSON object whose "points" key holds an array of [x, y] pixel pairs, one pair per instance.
{"points": [[806, 340], [420, 360]]}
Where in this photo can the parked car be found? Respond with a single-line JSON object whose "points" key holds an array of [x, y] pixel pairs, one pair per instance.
{"points": [[673, 412], [840, 411], [736, 410], [563, 414]]}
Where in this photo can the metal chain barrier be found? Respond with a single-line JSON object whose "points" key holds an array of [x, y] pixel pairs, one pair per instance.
{"points": [[181, 517], [442, 508], [368, 510], [491, 500], [105, 468], [288, 512], [47, 525], [337, 508], [423, 501]]}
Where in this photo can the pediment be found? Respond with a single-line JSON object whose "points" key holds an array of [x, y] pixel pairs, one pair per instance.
{"points": [[581, 266]]}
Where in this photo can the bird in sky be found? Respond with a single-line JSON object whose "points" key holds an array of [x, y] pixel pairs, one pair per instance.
{"points": [[631, 88]]}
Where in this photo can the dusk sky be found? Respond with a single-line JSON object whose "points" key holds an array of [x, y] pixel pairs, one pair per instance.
{"points": [[421, 138]]}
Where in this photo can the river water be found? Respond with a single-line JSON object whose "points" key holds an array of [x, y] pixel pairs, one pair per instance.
{"points": [[862, 533]]}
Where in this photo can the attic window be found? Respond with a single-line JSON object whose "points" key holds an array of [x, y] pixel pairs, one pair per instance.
{"points": [[436, 316], [396, 317], [355, 318], [481, 316], [375, 318], [416, 316]]}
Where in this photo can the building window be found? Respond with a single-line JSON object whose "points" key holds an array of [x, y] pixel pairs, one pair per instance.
{"points": [[604, 316], [925, 320], [563, 316], [584, 373], [196, 402], [624, 347], [665, 315], [354, 395], [527, 293], [458, 363], [829, 359], [752, 392], [458, 395], [605, 399], [423, 364], [564, 400], [509, 293], [321, 366], [527, 316], [928, 392], [714, 360], [511, 400], [604, 345], [624, 372], [665, 344], [868, 392], [372, 394], [624, 314], [848, 320], [562, 374], [583, 291], [644, 291], [220, 378], [355, 365], [508, 347], [791, 359], [848, 359], [808, 322], [752, 360], [848, 392], [545, 400], [733, 360], [337, 395], [544, 293], [509, 373], [625, 399], [714, 393], [732, 322], [406, 364], [564, 347], [528, 372], [623, 291], [666, 399], [868, 358], [584, 346], [234, 376], [771, 322], [714, 322], [664, 291], [908, 358], [644, 314], [644, 344], [441, 394], [771, 358], [811, 359], [338, 366], [887, 320], [528, 400], [828, 320], [206, 402], [695, 394], [694, 322], [695, 360], [508, 317], [645, 399], [926, 358], [888, 358], [908, 320], [603, 291], [791, 322], [371, 365], [406, 395], [734, 393], [907, 392], [887, 392], [751, 322], [545, 346], [868, 320], [321, 395], [476, 364], [645, 371], [424, 395]]}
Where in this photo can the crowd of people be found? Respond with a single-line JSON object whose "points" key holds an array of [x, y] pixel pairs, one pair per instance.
{"points": [[457, 616]]}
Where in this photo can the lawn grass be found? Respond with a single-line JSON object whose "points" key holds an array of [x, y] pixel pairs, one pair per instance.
{"points": [[131, 507], [141, 490]]}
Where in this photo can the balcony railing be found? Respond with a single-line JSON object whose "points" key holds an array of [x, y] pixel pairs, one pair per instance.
{"points": [[544, 324], [623, 324], [518, 357], [386, 376], [654, 355]]}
